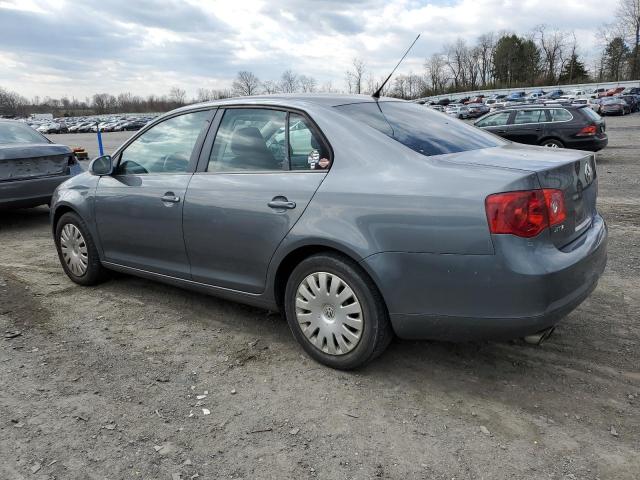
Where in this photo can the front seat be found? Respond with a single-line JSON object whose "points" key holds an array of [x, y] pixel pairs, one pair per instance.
{"points": [[250, 149]]}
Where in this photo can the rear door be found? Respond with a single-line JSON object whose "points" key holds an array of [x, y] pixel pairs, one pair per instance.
{"points": [[138, 209], [526, 127], [255, 177]]}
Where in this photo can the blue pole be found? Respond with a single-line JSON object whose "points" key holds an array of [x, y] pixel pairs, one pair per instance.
{"points": [[100, 149]]}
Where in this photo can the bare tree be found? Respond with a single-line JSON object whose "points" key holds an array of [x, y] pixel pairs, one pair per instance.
{"points": [[177, 95], [289, 82], [552, 45], [246, 84], [487, 48], [628, 15], [436, 72], [355, 76], [270, 87], [307, 84]]}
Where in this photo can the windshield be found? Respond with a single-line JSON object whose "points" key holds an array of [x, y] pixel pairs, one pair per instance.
{"points": [[421, 129], [15, 132]]}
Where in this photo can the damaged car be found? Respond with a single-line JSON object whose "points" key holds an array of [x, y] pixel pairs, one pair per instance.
{"points": [[31, 166]]}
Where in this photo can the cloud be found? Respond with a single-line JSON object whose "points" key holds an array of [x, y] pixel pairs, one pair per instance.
{"points": [[77, 48]]}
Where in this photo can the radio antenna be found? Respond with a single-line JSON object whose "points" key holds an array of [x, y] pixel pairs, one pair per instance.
{"points": [[376, 94]]}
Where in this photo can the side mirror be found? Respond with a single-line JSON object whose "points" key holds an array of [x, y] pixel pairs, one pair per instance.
{"points": [[101, 166]]}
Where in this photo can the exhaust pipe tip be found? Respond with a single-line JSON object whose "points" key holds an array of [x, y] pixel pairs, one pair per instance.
{"points": [[539, 337]]}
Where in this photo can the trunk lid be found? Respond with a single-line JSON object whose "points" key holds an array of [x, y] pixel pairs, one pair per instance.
{"points": [[28, 161], [572, 171]]}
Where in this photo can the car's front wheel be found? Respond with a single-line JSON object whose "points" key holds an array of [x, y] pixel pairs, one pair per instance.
{"points": [[77, 251], [336, 312]]}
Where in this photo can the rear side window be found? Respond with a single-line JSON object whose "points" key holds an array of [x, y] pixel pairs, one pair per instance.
{"points": [[421, 129], [560, 115], [306, 150], [14, 132], [591, 114], [529, 116], [495, 120], [250, 139]]}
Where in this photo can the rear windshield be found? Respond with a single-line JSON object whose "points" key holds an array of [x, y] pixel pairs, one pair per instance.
{"points": [[421, 129], [590, 113], [11, 132]]}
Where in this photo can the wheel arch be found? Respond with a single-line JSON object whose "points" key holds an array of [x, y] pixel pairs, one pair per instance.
{"points": [[59, 211], [550, 137], [296, 255]]}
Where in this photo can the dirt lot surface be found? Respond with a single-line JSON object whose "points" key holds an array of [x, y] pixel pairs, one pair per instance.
{"points": [[134, 379]]}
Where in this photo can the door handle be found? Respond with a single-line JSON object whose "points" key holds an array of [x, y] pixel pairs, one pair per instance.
{"points": [[281, 203], [169, 197], [501, 131]]}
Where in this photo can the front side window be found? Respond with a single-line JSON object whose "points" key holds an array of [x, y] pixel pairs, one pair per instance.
{"points": [[419, 128], [250, 139], [165, 147], [560, 115], [495, 120], [529, 116]]}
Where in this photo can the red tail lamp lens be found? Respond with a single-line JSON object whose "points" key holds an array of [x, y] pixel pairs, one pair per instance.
{"points": [[525, 213]]}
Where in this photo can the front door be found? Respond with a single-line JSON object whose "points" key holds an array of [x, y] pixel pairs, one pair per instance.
{"points": [[263, 169], [138, 209]]}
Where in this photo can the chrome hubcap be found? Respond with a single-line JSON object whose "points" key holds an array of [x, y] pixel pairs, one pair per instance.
{"points": [[551, 145], [74, 249], [329, 313]]}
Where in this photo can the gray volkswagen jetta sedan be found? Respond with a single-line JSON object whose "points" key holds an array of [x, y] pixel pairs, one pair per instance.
{"points": [[358, 218]]}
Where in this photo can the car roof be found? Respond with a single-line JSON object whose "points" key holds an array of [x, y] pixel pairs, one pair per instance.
{"points": [[299, 100]]}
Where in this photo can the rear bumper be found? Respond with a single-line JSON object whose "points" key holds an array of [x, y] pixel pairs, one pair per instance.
{"points": [[524, 288], [29, 193], [592, 144]]}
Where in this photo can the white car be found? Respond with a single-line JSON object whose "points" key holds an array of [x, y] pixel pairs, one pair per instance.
{"points": [[458, 111]]}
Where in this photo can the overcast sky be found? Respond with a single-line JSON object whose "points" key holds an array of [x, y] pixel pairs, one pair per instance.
{"points": [[77, 48]]}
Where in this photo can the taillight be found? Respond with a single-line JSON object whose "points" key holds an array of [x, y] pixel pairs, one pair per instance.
{"points": [[587, 131], [525, 213]]}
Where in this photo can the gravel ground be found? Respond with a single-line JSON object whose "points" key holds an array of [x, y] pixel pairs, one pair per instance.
{"points": [[134, 379]]}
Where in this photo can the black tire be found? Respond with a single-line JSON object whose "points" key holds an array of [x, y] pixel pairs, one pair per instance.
{"points": [[376, 332], [95, 272], [550, 142]]}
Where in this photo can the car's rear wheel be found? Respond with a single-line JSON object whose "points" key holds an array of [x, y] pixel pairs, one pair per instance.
{"points": [[552, 143], [77, 251], [336, 312]]}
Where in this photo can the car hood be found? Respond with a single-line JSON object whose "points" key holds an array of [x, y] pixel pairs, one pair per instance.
{"points": [[516, 156], [30, 150]]}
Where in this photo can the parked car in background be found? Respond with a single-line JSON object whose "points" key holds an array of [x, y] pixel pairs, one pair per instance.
{"points": [[613, 106], [613, 91], [631, 91], [595, 104], [533, 96], [552, 95], [549, 126], [476, 99], [439, 108], [632, 102], [31, 166], [392, 220], [598, 92], [457, 110], [477, 109]]}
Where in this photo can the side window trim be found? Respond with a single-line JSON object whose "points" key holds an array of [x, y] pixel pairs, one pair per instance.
{"points": [[193, 160], [207, 145]]}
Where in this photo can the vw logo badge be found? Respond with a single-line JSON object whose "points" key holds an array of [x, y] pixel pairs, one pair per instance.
{"points": [[588, 172]]}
